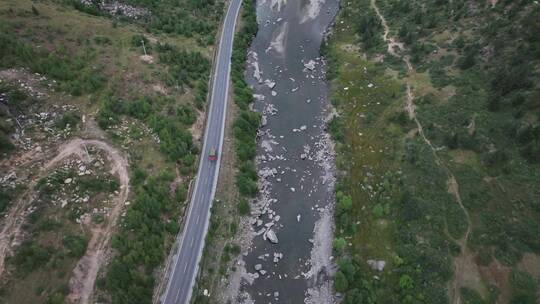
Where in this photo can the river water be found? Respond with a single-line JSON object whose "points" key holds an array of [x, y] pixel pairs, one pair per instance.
{"points": [[295, 158]]}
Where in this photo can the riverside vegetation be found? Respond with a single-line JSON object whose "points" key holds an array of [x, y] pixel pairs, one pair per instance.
{"points": [[438, 143], [147, 107]]}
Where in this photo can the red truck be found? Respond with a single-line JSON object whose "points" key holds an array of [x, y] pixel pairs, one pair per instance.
{"points": [[212, 156]]}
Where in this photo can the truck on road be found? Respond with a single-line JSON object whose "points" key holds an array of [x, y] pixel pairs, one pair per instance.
{"points": [[212, 156]]}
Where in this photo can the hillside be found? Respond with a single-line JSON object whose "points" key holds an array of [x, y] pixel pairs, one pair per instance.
{"points": [[102, 107], [438, 145]]}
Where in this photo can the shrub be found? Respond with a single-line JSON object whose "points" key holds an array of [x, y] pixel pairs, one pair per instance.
{"points": [[524, 288], [31, 256], [243, 207], [340, 282], [5, 144], [339, 244], [75, 245], [69, 118]]}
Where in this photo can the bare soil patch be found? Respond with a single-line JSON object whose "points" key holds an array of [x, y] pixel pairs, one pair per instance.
{"points": [[84, 275]]}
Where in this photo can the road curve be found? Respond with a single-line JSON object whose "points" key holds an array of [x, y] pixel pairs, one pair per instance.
{"points": [[185, 262]]}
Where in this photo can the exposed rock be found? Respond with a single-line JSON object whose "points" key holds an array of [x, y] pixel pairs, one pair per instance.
{"points": [[310, 65], [258, 97], [271, 235], [376, 264], [147, 59], [118, 8], [269, 83]]}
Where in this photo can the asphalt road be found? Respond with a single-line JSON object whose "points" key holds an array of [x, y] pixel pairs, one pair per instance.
{"points": [[185, 263]]}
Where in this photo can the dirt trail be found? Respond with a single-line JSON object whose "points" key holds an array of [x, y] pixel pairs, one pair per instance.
{"points": [[390, 41], [13, 222], [84, 274], [453, 186]]}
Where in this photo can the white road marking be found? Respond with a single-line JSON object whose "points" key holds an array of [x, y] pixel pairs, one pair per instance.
{"points": [[178, 293], [217, 102]]}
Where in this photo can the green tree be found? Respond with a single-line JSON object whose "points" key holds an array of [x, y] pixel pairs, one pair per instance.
{"points": [[339, 244], [406, 282], [344, 202], [340, 282]]}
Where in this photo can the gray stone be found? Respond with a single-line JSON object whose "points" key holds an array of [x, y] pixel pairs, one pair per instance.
{"points": [[272, 237]]}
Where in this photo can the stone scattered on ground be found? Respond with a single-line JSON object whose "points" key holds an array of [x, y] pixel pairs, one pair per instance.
{"points": [[117, 8], [376, 264]]}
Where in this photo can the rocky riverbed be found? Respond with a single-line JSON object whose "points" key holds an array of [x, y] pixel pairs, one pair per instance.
{"points": [[287, 254]]}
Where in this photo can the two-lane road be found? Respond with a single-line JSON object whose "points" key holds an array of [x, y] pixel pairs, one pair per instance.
{"points": [[185, 263]]}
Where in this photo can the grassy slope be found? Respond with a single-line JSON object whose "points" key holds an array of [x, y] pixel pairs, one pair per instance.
{"points": [[105, 49], [417, 233]]}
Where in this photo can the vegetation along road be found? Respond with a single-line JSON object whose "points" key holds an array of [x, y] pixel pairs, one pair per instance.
{"points": [[185, 262]]}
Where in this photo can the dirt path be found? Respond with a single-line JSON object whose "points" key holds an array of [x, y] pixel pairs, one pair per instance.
{"points": [[453, 186], [13, 222], [84, 274]]}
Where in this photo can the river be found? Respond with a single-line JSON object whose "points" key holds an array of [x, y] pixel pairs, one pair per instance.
{"points": [[294, 157]]}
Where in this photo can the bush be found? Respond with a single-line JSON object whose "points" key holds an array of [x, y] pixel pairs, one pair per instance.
{"points": [[6, 146], [75, 245], [339, 245], [69, 118], [185, 67], [31, 256], [340, 282], [93, 185], [140, 243], [5, 198], [91, 9], [524, 288], [243, 207], [186, 114]]}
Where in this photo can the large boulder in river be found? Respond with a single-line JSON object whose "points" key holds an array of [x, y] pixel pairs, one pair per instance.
{"points": [[272, 237]]}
